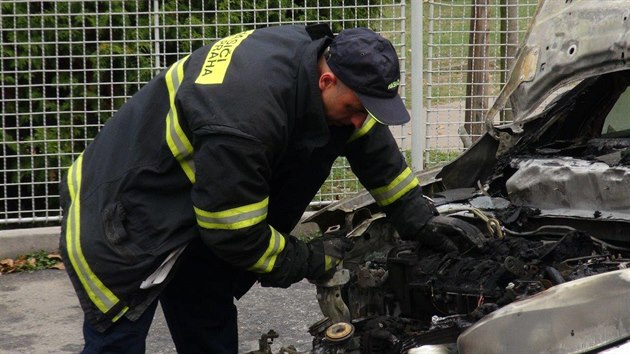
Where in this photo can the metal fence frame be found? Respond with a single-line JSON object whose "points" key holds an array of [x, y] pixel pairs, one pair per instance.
{"points": [[46, 83], [469, 47], [43, 107]]}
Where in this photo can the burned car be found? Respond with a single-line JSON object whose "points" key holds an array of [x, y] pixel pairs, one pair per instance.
{"points": [[545, 204]]}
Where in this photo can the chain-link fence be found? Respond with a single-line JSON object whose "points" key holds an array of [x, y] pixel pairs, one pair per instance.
{"points": [[470, 46], [67, 66]]}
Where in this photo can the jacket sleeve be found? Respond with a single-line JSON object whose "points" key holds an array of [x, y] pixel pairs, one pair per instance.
{"points": [[230, 198], [380, 166]]}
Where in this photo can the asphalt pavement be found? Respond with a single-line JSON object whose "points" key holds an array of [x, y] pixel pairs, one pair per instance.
{"points": [[39, 313]]}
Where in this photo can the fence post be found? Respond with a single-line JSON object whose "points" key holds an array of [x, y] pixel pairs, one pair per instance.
{"points": [[418, 121], [509, 45], [156, 31], [478, 70]]}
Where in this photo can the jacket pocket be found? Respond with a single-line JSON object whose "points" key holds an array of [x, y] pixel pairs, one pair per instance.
{"points": [[115, 233]]}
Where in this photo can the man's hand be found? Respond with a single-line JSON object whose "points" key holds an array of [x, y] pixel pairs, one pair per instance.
{"points": [[444, 233], [326, 253]]}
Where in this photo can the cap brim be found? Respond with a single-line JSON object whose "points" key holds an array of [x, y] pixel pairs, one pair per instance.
{"points": [[388, 111]]}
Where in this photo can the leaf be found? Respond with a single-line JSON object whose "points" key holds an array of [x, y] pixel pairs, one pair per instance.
{"points": [[7, 266], [58, 265], [8, 262], [54, 256]]}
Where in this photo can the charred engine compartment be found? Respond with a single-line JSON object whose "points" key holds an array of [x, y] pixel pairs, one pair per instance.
{"points": [[549, 200], [398, 295], [395, 295]]}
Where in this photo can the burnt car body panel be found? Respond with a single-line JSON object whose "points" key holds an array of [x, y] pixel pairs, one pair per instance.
{"points": [[567, 318], [567, 41]]}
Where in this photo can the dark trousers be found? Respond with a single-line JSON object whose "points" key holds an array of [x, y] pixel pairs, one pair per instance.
{"points": [[198, 305]]}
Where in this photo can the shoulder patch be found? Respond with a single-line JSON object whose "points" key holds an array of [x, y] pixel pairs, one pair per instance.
{"points": [[218, 59]]}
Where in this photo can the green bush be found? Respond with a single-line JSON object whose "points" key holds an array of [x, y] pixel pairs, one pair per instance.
{"points": [[63, 76]]}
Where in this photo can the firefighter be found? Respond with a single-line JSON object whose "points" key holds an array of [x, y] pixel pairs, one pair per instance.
{"points": [[188, 193]]}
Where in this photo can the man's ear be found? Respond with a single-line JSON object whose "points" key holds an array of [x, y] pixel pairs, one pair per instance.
{"points": [[327, 80]]}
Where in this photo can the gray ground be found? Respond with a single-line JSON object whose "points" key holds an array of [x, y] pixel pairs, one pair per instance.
{"points": [[39, 313]]}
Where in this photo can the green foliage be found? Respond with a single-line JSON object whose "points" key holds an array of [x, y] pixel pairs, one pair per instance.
{"points": [[63, 75], [33, 261], [440, 157]]}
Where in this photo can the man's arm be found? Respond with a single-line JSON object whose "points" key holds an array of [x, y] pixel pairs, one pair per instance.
{"points": [[231, 198], [375, 158]]}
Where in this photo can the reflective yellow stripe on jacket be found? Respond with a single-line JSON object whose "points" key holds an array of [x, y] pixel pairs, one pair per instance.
{"points": [[235, 218], [243, 217], [266, 262], [98, 293], [395, 189], [177, 141], [365, 128], [329, 263]]}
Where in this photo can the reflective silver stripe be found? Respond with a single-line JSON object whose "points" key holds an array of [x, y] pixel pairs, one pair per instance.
{"points": [[397, 188], [177, 141], [235, 218], [266, 262]]}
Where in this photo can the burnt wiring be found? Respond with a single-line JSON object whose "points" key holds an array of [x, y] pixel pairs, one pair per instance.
{"points": [[493, 225]]}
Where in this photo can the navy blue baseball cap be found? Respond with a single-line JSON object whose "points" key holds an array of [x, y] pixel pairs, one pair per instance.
{"points": [[368, 64]]}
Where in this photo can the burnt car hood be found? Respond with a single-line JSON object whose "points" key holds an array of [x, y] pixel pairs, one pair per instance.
{"points": [[570, 325], [567, 41]]}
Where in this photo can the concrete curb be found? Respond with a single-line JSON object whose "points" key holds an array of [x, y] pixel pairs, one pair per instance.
{"points": [[23, 241], [18, 242]]}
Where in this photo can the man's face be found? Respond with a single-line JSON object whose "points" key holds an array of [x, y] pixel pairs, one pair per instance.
{"points": [[342, 107]]}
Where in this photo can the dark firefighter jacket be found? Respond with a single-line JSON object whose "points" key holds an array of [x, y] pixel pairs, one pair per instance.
{"points": [[229, 144]]}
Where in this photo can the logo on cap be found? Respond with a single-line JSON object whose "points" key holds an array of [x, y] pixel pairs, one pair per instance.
{"points": [[393, 85]]}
